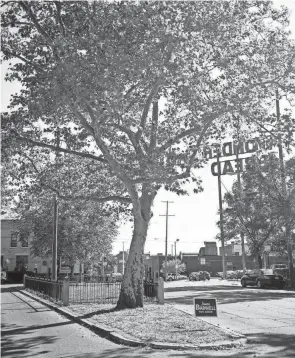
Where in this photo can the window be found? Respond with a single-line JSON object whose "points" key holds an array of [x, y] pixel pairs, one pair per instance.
{"points": [[21, 262], [24, 240], [14, 237]]}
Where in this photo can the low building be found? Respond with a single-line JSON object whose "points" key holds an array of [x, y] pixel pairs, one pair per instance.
{"points": [[234, 249], [210, 248], [15, 250], [153, 265]]}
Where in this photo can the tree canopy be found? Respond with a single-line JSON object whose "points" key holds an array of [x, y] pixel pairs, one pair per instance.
{"points": [[83, 234], [260, 210], [174, 266], [132, 90]]}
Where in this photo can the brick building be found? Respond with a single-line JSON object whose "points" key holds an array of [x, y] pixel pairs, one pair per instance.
{"points": [[15, 251]]}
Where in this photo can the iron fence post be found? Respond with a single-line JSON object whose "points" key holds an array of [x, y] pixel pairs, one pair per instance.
{"points": [[66, 291], [161, 291]]}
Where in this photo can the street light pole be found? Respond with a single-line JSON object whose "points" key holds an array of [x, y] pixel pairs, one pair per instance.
{"points": [[240, 197], [284, 192], [221, 215], [176, 266], [123, 260]]}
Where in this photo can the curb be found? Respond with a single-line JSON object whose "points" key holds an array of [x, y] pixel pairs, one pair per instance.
{"points": [[118, 337]]}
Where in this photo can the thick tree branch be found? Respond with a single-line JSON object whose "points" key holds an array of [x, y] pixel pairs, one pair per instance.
{"points": [[164, 179], [59, 149], [131, 137], [147, 107], [25, 5], [59, 19], [154, 129], [80, 117], [79, 197], [28, 62], [190, 131]]}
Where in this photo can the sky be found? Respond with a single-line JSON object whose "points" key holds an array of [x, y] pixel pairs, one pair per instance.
{"points": [[195, 216]]}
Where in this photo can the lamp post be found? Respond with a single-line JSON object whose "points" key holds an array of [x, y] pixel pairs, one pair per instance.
{"points": [[176, 266]]}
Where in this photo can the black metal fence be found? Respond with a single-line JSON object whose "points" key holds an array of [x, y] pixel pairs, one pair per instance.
{"points": [[85, 292], [53, 289], [94, 292], [106, 292]]}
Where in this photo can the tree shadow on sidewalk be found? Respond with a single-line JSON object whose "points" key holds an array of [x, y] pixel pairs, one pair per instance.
{"points": [[10, 289], [12, 346]]}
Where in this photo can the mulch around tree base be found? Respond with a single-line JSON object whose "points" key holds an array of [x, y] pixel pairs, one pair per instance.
{"points": [[153, 322]]}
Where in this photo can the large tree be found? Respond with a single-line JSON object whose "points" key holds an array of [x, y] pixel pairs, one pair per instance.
{"points": [[134, 89]]}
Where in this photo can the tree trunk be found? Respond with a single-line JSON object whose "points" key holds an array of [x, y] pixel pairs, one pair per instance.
{"points": [[259, 259], [131, 295]]}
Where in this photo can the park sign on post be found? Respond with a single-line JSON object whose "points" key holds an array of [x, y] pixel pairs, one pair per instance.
{"points": [[205, 307]]}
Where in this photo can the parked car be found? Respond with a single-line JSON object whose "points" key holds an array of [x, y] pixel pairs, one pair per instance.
{"points": [[263, 278], [199, 276], [279, 266], [3, 276], [173, 277], [231, 275], [170, 277], [117, 277]]}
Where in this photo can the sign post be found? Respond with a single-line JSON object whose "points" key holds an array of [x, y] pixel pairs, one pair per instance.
{"points": [[221, 216]]}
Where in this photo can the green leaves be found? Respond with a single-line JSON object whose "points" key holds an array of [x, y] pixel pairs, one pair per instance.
{"points": [[259, 210]]}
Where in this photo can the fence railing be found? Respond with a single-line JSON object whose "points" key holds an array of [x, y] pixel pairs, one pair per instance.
{"points": [[54, 289], [68, 292], [94, 292]]}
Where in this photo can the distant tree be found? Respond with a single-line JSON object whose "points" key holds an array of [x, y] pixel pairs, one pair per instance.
{"points": [[82, 234], [132, 90], [259, 210], [174, 266]]}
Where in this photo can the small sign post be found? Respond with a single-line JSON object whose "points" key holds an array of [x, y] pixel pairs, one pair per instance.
{"points": [[205, 307]]}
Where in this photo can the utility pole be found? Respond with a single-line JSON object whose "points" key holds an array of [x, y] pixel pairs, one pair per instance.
{"points": [[166, 237], [221, 215], [123, 260], [239, 208], [55, 219], [284, 192]]}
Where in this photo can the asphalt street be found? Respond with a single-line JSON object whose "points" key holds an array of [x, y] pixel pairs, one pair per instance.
{"points": [[265, 316]]}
